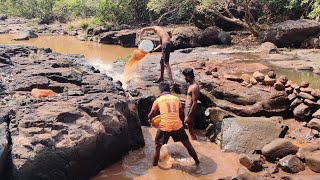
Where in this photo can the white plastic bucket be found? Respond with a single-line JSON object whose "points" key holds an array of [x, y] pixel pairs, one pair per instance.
{"points": [[146, 46]]}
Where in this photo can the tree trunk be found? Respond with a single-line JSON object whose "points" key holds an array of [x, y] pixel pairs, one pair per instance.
{"points": [[236, 21]]}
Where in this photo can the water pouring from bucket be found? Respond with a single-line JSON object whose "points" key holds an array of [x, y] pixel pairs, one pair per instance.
{"points": [[145, 47]]}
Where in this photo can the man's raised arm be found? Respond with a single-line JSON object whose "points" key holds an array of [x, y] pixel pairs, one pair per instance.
{"points": [[143, 31]]}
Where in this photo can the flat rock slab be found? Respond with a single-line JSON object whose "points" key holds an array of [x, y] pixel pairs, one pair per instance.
{"points": [[248, 134]]}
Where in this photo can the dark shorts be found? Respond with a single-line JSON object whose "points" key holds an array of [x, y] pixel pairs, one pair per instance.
{"points": [[167, 48], [162, 137]]}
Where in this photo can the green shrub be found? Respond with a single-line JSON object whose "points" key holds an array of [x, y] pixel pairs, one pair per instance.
{"points": [[84, 25]]}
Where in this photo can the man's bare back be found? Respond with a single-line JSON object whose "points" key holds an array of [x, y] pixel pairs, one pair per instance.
{"points": [[164, 36]]}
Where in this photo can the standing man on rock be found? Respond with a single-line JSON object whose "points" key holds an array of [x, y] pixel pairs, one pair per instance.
{"points": [[167, 48], [170, 125], [191, 101]]}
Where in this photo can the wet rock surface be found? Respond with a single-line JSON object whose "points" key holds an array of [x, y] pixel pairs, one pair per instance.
{"points": [[78, 133]]}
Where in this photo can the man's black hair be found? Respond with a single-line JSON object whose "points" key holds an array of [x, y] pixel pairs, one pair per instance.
{"points": [[188, 72], [164, 87]]}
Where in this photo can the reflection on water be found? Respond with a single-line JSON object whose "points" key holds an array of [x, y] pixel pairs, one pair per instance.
{"points": [[298, 76], [175, 162], [95, 52]]}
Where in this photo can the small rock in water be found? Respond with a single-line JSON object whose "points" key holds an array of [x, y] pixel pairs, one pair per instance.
{"points": [[246, 78], [304, 84], [289, 83], [253, 81], [279, 86], [272, 74], [258, 76], [268, 81], [283, 79]]}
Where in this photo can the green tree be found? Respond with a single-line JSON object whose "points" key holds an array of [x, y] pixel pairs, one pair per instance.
{"points": [[221, 8], [172, 10]]}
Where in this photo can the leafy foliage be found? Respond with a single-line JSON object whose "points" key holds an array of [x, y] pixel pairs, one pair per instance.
{"points": [[138, 11], [173, 10]]}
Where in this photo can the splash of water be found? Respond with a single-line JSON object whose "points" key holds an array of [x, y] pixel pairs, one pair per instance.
{"points": [[131, 66]]}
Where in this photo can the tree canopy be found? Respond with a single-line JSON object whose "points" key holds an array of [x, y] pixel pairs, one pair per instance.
{"points": [[246, 13]]}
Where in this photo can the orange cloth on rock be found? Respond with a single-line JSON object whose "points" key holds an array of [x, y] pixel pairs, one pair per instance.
{"points": [[169, 106]]}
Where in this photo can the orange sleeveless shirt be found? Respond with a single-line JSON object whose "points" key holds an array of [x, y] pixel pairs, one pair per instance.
{"points": [[169, 106]]}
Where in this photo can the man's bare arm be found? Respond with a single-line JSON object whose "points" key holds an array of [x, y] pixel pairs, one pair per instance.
{"points": [[143, 31], [152, 114]]}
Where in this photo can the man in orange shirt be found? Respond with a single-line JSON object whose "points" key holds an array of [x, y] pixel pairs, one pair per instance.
{"points": [[170, 125]]}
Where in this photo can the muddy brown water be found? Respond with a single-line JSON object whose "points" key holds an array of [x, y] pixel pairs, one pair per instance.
{"points": [[175, 162], [96, 53]]}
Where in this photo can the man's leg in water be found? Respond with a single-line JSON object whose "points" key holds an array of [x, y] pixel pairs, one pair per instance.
{"points": [[161, 72], [191, 129], [167, 65], [191, 124], [191, 151], [156, 154]]}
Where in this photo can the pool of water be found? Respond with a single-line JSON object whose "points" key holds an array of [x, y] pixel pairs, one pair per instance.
{"points": [[95, 52]]}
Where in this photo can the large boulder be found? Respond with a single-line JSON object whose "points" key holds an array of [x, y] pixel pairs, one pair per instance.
{"points": [[185, 37], [107, 38], [193, 37], [291, 33], [278, 148], [127, 38], [248, 134], [69, 135]]}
